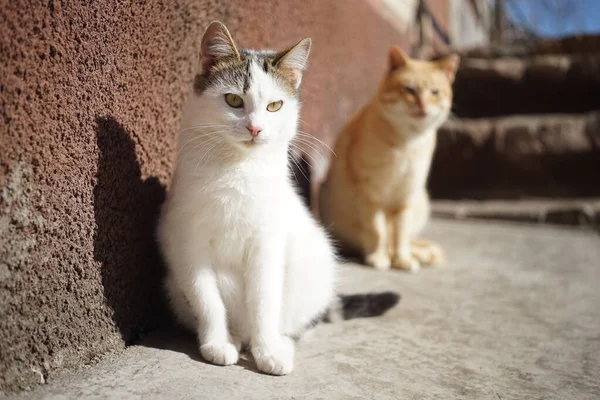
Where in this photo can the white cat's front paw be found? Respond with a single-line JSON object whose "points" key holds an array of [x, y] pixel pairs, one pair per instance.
{"points": [[275, 358], [220, 353], [409, 263], [378, 260]]}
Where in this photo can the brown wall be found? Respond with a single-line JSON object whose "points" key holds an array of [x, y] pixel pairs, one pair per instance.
{"points": [[90, 100]]}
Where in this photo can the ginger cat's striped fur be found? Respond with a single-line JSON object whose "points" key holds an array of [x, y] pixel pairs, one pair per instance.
{"points": [[374, 198]]}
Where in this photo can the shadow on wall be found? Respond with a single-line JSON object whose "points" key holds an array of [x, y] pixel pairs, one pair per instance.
{"points": [[126, 208]]}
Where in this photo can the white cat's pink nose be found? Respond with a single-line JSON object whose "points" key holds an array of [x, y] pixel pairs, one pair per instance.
{"points": [[254, 131]]}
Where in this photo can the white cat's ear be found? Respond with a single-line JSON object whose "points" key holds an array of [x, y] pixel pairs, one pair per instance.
{"points": [[449, 64], [216, 43], [398, 57], [295, 60]]}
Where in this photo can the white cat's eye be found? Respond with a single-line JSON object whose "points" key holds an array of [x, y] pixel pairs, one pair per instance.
{"points": [[233, 100], [435, 92], [274, 106]]}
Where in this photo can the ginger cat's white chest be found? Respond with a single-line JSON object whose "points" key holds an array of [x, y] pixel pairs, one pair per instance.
{"points": [[403, 173], [401, 177], [392, 175]]}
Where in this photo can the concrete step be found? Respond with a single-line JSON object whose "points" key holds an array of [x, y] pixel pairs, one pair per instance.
{"points": [[513, 314], [534, 85], [582, 212], [578, 44], [518, 156]]}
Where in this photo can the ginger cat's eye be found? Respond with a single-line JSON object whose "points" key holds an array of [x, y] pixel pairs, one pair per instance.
{"points": [[274, 106], [233, 100], [409, 90], [435, 92]]}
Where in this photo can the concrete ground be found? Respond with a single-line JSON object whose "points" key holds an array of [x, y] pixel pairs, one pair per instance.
{"points": [[515, 314]]}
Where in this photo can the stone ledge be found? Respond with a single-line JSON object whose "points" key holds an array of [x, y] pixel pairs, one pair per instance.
{"points": [[536, 85], [583, 212], [576, 44], [518, 156]]}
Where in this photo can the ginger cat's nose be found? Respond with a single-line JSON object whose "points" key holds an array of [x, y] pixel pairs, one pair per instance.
{"points": [[420, 108], [254, 131]]}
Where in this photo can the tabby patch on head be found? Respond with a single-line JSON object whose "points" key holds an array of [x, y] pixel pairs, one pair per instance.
{"points": [[246, 98], [223, 64]]}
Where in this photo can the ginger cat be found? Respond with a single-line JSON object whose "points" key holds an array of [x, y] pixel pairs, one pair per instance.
{"points": [[374, 198]]}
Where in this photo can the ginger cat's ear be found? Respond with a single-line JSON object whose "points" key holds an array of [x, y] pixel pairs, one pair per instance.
{"points": [[295, 59], [398, 57], [449, 64], [216, 43]]}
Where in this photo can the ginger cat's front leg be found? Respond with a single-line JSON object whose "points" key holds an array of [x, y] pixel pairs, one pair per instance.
{"points": [[427, 252], [375, 241], [402, 255]]}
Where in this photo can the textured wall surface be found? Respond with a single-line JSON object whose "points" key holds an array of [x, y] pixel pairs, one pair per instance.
{"points": [[90, 100]]}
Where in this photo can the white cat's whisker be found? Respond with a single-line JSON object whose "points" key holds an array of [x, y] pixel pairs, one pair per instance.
{"points": [[202, 126], [202, 132], [314, 162], [311, 147], [306, 134], [303, 154], [298, 166], [304, 122], [209, 146], [208, 139], [193, 139], [197, 146], [198, 137], [207, 153]]}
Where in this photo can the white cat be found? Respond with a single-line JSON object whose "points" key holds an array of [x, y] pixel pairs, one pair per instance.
{"points": [[247, 264]]}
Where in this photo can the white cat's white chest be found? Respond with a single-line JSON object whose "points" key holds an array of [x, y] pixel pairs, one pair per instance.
{"points": [[223, 214]]}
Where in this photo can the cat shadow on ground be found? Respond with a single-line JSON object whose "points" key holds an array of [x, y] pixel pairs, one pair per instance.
{"points": [[174, 338], [126, 208]]}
